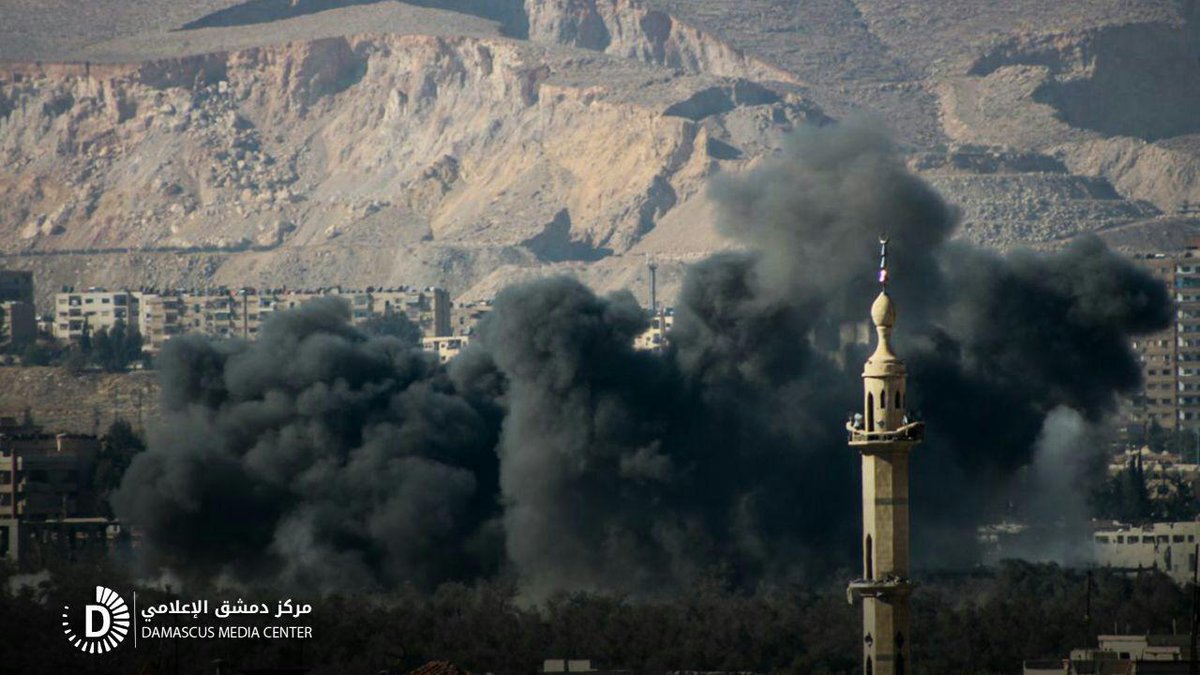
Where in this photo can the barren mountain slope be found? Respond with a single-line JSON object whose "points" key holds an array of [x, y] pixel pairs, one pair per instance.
{"points": [[466, 143]]}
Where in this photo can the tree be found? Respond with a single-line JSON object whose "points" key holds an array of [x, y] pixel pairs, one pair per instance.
{"points": [[133, 347], [101, 353], [35, 355], [1125, 497], [118, 446], [115, 350], [85, 339]]}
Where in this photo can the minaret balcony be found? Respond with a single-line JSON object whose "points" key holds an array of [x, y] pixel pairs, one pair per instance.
{"points": [[912, 432], [886, 588]]}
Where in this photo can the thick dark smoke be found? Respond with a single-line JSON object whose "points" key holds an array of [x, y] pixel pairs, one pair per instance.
{"points": [[553, 452], [315, 456]]}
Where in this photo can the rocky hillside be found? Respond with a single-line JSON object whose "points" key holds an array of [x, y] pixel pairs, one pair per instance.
{"points": [[83, 403], [468, 143]]}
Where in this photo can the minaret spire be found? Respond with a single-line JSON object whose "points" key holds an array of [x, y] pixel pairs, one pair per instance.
{"points": [[884, 437], [883, 268]]}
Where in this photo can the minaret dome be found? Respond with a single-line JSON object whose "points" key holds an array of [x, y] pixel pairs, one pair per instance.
{"points": [[883, 312]]}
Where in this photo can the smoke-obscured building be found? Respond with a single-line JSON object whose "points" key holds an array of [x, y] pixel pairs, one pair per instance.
{"points": [[654, 338], [467, 315], [16, 286], [18, 323], [446, 348], [18, 317], [47, 506], [1170, 547]]}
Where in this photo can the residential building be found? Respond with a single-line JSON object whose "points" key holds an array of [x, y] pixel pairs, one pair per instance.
{"points": [[428, 308], [1122, 655], [233, 313], [467, 316], [1170, 547], [446, 348], [32, 544], [1170, 359], [47, 505], [18, 325], [1164, 473], [654, 338], [90, 310], [159, 318]]}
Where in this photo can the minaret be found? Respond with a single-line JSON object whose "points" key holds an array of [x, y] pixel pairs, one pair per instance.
{"points": [[884, 436]]}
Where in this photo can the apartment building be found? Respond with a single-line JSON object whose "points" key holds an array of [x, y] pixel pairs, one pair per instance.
{"points": [[429, 308], [47, 506], [467, 315], [18, 325], [233, 313], [446, 348], [78, 311], [1170, 359], [1170, 547], [158, 318]]}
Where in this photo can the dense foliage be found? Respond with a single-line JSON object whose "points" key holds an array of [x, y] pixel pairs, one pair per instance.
{"points": [[984, 622]]}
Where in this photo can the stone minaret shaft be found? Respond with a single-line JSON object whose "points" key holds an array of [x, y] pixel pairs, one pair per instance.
{"points": [[884, 437]]}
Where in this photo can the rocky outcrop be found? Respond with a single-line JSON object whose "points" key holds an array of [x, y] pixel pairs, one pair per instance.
{"points": [[1136, 80], [1166, 174], [415, 145], [632, 29], [468, 142]]}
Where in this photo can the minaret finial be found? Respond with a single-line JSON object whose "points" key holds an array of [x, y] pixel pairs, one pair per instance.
{"points": [[883, 270]]}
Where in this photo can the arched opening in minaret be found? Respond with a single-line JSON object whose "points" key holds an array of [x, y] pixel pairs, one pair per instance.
{"points": [[870, 669], [870, 412], [869, 560], [898, 397], [883, 400]]}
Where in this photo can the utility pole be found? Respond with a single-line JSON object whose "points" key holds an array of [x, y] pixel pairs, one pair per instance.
{"points": [[653, 288]]}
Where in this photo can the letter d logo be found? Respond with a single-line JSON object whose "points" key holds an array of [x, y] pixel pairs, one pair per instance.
{"points": [[90, 630], [105, 623]]}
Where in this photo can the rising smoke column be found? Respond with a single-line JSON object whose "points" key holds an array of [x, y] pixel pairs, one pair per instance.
{"points": [[554, 452], [314, 457]]}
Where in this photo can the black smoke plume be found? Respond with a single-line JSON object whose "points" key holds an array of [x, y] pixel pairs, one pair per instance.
{"points": [[315, 457], [555, 453]]}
